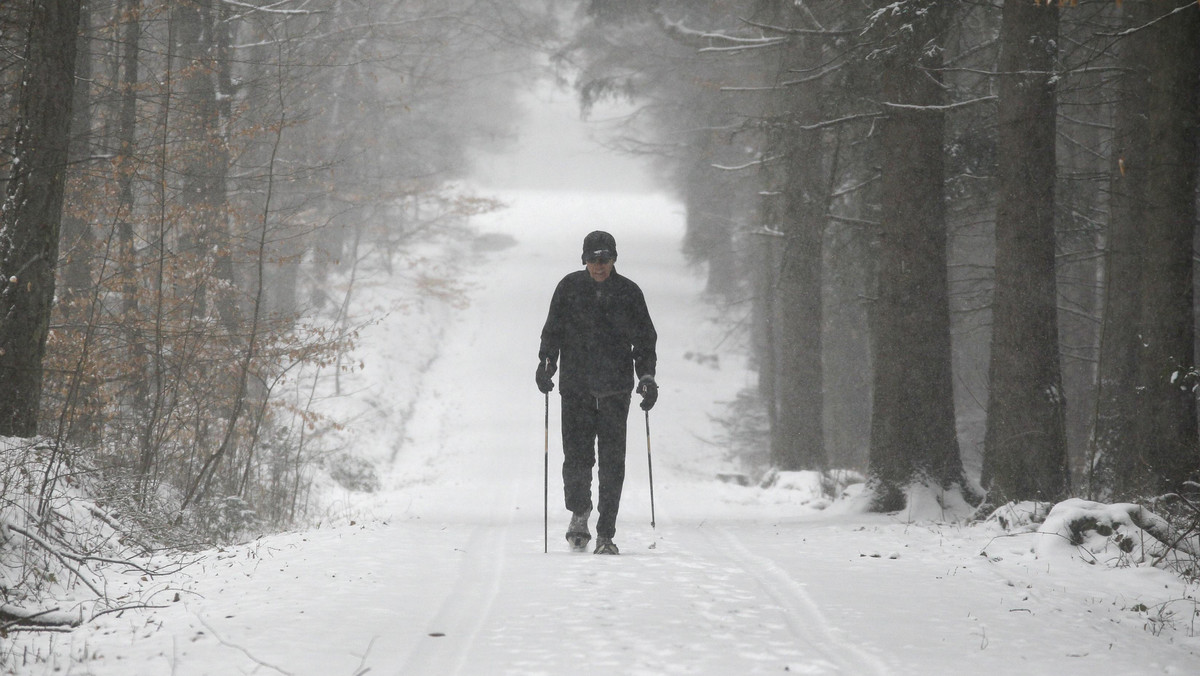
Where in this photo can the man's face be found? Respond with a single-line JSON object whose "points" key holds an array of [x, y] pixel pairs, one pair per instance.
{"points": [[600, 268]]}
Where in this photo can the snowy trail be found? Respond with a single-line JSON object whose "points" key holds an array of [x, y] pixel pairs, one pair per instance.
{"points": [[513, 609], [679, 610]]}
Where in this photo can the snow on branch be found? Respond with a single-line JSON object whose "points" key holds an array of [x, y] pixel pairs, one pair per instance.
{"points": [[703, 40], [1130, 31], [753, 163], [819, 32], [841, 120], [716, 41], [948, 106], [273, 8]]}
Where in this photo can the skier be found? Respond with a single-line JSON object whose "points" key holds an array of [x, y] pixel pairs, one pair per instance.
{"points": [[599, 330]]}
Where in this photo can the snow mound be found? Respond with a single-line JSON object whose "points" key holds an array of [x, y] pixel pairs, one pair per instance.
{"points": [[933, 503], [809, 483], [924, 503], [809, 488], [1019, 517], [1114, 535]]}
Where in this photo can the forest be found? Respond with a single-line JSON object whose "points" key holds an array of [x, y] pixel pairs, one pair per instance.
{"points": [[958, 235], [216, 174], [977, 216]]}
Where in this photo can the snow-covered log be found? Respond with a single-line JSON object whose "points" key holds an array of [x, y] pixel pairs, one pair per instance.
{"points": [[11, 616], [1110, 533]]}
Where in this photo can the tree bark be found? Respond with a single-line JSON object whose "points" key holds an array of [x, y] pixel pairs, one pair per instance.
{"points": [[1025, 448], [31, 216]]}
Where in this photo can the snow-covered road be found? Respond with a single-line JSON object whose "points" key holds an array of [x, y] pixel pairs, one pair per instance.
{"points": [[685, 597], [443, 572]]}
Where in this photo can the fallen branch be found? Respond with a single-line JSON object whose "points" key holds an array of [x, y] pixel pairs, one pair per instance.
{"points": [[80, 558], [1186, 540], [15, 616], [65, 558]]}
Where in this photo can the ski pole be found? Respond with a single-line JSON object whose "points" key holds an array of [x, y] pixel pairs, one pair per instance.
{"points": [[546, 484], [650, 467]]}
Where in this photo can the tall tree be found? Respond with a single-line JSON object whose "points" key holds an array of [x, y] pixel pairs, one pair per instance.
{"points": [[1025, 448], [1167, 348], [202, 36], [913, 435], [795, 301], [1146, 428], [31, 215]]}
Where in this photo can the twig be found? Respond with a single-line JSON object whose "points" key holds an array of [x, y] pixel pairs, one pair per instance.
{"points": [[139, 606], [239, 648], [362, 667]]}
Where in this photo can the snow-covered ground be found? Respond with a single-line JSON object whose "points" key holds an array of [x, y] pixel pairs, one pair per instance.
{"points": [[443, 571]]}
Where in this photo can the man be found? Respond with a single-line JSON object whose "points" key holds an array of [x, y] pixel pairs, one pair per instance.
{"points": [[599, 331]]}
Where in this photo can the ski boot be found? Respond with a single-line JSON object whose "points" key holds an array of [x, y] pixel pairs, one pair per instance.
{"points": [[578, 534], [606, 546]]}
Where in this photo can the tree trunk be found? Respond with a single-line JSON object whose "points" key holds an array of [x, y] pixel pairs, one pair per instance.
{"points": [[708, 237], [798, 433], [798, 438], [913, 435], [1025, 451], [30, 219], [77, 237], [1145, 435], [126, 169], [75, 303], [203, 45], [1168, 432]]}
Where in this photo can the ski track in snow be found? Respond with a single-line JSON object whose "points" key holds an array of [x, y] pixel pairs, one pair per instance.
{"points": [[514, 610], [466, 609], [804, 615]]}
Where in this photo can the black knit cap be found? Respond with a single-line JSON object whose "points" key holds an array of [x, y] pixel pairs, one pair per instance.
{"points": [[599, 244]]}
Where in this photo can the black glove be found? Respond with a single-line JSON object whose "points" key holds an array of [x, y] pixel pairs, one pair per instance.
{"points": [[649, 391], [545, 374]]}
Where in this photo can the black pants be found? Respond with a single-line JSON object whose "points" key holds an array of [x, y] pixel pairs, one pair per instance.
{"points": [[594, 426]]}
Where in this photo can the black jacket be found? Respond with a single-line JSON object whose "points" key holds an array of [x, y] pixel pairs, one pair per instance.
{"points": [[602, 332]]}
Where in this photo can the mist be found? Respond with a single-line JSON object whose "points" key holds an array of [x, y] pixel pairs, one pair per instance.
{"points": [[555, 148]]}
